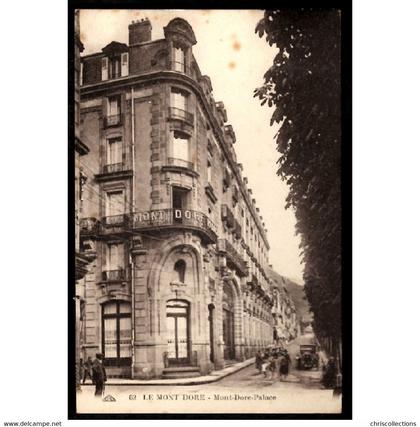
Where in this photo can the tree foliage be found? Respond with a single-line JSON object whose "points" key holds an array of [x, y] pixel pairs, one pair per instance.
{"points": [[303, 85]]}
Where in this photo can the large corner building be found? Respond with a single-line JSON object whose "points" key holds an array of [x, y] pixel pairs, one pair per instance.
{"points": [[179, 283]]}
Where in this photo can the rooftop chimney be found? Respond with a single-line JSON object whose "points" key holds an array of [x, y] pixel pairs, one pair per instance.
{"points": [[139, 31]]}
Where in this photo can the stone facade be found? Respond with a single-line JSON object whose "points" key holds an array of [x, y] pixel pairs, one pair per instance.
{"points": [[180, 279]]}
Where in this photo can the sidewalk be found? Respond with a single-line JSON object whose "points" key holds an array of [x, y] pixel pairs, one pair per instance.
{"points": [[212, 377]]}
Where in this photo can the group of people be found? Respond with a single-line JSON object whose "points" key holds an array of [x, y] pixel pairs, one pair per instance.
{"points": [[95, 370], [273, 363]]}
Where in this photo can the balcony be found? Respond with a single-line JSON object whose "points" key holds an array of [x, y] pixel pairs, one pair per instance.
{"points": [[167, 219], [227, 216], [175, 113], [114, 120], [114, 170], [233, 258], [88, 227], [180, 166], [237, 231], [118, 275], [210, 192], [115, 224]]}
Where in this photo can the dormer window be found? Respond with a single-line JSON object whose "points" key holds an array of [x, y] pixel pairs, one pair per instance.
{"points": [[115, 61]]}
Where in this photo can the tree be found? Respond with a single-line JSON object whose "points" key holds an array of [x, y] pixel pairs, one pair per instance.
{"points": [[303, 85]]}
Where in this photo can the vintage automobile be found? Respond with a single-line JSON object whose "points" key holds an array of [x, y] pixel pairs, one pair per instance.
{"points": [[308, 357]]}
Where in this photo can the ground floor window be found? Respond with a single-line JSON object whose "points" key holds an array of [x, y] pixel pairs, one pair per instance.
{"points": [[116, 333]]}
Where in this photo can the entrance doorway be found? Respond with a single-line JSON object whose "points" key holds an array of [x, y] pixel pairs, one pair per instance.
{"points": [[211, 331], [228, 323], [178, 332]]}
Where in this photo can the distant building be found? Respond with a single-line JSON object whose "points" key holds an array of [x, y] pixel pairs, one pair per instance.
{"points": [[286, 322], [180, 279]]}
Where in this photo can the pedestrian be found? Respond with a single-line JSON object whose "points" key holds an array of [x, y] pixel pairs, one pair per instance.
{"points": [[258, 361], [99, 374], [264, 364], [284, 365], [269, 368], [275, 366], [87, 369], [330, 372]]}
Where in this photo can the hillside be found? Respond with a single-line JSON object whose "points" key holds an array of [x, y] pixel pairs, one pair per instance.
{"points": [[296, 293]]}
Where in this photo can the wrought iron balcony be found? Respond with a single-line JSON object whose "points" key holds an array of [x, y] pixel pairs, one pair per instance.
{"points": [[88, 226], [227, 216], [113, 120], [114, 275], [112, 168], [233, 258], [179, 114], [181, 163], [157, 220], [115, 224]]}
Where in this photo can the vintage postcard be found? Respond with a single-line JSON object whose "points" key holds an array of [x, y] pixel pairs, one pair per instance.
{"points": [[209, 189]]}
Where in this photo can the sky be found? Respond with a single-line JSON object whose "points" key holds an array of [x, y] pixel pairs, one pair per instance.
{"points": [[235, 59]]}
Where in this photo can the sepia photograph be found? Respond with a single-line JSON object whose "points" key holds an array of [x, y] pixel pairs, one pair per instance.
{"points": [[212, 212]]}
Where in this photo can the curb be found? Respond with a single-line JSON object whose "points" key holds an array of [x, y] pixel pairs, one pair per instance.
{"points": [[211, 378]]}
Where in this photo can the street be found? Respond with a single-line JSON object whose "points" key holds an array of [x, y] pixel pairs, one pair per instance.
{"points": [[245, 391]]}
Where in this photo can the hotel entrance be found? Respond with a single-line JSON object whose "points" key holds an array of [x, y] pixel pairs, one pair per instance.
{"points": [[178, 332], [228, 323]]}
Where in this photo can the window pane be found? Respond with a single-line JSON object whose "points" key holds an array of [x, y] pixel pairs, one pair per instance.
{"points": [[170, 331], [114, 154], [125, 337], [110, 308], [125, 307], [180, 146], [179, 101], [115, 204], [110, 334], [115, 256]]}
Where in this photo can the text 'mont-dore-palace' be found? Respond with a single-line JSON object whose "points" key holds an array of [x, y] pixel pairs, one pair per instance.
{"points": [[180, 278]]}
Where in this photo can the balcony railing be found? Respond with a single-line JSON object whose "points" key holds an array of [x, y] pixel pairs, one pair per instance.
{"points": [[233, 257], [114, 120], [227, 216], [112, 168], [179, 114], [114, 275], [180, 163], [88, 226], [115, 224], [175, 218]]}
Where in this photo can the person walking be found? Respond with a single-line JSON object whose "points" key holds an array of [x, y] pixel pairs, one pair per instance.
{"points": [[284, 365], [99, 374], [258, 361], [87, 369]]}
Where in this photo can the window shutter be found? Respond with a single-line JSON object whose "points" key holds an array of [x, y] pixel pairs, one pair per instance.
{"points": [[81, 74], [104, 68], [124, 64]]}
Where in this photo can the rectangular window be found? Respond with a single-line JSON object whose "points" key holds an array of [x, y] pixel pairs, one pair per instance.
{"points": [[114, 204], [114, 68], [115, 256], [114, 106], [180, 146], [124, 64], [209, 171], [180, 58], [114, 151], [104, 69], [179, 100]]}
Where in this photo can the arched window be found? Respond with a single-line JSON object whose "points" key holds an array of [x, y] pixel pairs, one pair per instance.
{"points": [[180, 267]]}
